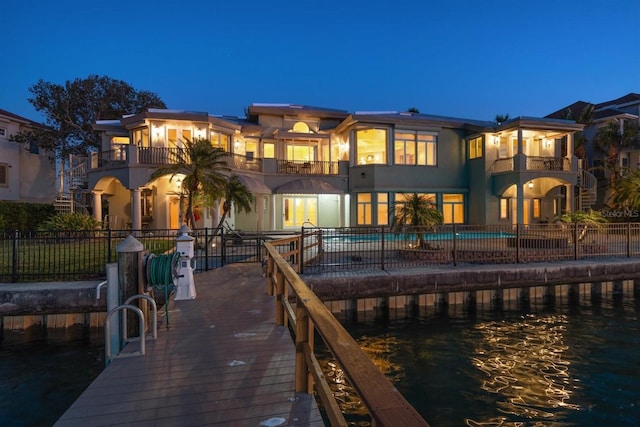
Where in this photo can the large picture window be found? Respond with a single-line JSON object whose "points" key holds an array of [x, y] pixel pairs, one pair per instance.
{"points": [[371, 146], [414, 148]]}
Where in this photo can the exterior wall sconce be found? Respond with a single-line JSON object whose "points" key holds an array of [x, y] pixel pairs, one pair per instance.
{"points": [[496, 140], [362, 174], [530, 185]]}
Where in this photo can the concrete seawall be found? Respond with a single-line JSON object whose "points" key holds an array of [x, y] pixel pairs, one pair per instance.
{"points": [[66, 304]]}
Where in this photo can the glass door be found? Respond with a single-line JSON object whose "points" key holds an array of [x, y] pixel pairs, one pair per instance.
{"points": [[300, 210]]}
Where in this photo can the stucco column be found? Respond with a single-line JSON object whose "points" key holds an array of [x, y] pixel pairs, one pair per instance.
{"points": [[520, 151], [343, 211], [97, 205], [136, 210], [568, 201], [520, 203], [260, 212], [272, 211]]}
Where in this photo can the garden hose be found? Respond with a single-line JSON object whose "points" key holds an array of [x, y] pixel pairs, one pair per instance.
{"points": [[162, 271]]}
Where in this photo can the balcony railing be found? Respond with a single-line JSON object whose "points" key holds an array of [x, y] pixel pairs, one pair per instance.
{"points": [[533, 163], [298, 167]]}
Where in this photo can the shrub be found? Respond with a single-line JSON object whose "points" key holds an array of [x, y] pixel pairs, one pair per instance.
{"points": [[23, 216], [71, 222]]}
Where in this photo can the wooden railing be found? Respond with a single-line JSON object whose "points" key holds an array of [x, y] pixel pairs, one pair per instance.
{"points": [[308, 315]]}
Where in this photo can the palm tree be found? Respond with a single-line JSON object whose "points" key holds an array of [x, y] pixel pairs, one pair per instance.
{"points": [[235, 194], [418, 211], [625, 194], [204, 168]]}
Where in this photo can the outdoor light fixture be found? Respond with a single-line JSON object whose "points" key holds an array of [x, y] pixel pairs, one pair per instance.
{"points": [[496, 140], [530, 185]]}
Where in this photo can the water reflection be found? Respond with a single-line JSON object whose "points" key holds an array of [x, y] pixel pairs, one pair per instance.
{"points": [[524, 363]]}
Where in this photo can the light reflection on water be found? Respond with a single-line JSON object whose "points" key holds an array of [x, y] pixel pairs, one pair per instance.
{"points": [[566, 365]]}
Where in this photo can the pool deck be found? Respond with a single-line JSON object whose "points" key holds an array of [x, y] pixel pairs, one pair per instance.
{"points": [[223, 361]]}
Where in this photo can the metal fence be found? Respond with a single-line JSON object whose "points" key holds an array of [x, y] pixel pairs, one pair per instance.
{"points": [[379, 248], [29, 256]]}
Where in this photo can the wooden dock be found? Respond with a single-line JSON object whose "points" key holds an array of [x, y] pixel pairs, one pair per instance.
{"points": [[223, 361]]}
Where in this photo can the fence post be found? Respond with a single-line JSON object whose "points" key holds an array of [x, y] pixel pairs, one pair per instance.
{"points": [[223, 248], [455, 252], [518, 243], [575, 241], [382, 251], [303, 382], [14, 258], [206, 249], [301, 252], [628, 240], [109, 255]]}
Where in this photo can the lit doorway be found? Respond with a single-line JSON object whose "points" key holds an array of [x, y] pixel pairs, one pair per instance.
{"points": [[298, 210], [174, 213]]}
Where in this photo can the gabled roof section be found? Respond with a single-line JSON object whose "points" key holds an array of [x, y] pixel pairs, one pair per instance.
{"points": [[18, 118], [570, 112], [629, 98]]}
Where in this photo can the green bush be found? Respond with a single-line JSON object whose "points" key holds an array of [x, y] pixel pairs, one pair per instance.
{"points": [[71, 222], [23, 216]]}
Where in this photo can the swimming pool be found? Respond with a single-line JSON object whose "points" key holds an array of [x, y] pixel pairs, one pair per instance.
{"points": [[430, 236]]}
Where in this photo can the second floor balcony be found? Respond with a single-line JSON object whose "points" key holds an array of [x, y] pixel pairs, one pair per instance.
{"points": [[127, 155], [531, 164]]}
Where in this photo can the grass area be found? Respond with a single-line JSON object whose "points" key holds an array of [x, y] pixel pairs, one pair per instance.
{"points": [[46, 258]]}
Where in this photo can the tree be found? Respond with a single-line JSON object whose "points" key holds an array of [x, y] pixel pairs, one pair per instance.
{"points": [[501, 118], [235, 194], [71, 110], [580, 140], [625, 193], [204, 170], [418, 211], [413, 110], [610, 140]]}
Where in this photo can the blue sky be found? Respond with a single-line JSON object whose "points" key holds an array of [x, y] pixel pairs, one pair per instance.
{"points": [[470, 59]]}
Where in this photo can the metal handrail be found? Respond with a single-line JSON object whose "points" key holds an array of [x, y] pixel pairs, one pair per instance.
{"points": [[154, 311], [107, 351]]}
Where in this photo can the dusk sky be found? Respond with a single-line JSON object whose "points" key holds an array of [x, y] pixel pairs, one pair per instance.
{"points": [[468, 58]]}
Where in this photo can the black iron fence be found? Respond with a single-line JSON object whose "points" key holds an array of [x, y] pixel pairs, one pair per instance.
{"points": [[379, 248], [29, 256]]}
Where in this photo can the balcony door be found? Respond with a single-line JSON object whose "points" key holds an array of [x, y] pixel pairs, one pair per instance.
{"points": [[298, 210], [176, 137]]}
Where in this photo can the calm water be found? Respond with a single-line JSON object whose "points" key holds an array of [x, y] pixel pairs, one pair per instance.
{"points": [[40, 380], [567, 365]]}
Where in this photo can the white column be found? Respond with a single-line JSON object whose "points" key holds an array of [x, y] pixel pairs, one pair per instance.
{"points": [[260, 212], [272, 211], [136, 210], [343, 211], [97, 205], [520, 203]]}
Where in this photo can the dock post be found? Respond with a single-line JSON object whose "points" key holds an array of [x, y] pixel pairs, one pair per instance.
{"points": [[442, 302], [413, 306], [497, 299], [469, 301], [352, 310], [636, 288], [618, 289], [573, 293], [596, 292], [130, 278], [381, 309], [549, 296], [524, 298]]}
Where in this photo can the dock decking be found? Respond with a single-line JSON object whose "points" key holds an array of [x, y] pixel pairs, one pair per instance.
{"points": [[223, 361]]}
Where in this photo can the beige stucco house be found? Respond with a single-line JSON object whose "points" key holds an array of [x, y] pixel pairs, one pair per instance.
{"points": [[26, 171]]}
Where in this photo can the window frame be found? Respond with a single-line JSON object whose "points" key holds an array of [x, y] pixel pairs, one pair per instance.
{"points": [[4, 175]]}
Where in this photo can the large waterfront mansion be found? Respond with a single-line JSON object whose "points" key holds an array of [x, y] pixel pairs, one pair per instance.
{"points": [[333, 168]]}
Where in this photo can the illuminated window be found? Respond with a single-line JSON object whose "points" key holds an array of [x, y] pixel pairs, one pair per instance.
{"points": [[383, 209], [371, 146], [504, 208], [364, 209], [414, 148], [536, 208], [141, 137], [4, 175], [453, 208], [402, 197], [475, 147], [220, 140], [269, 150], [300, 127]]}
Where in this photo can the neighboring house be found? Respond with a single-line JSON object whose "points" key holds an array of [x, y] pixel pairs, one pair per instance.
{"points": [[331, 168], [621, 112], [27, 173]]}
